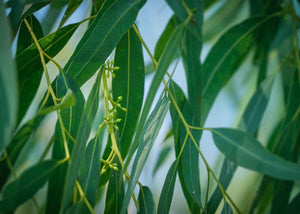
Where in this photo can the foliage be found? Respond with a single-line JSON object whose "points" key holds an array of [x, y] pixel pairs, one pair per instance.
{"points": [[102, 142]]}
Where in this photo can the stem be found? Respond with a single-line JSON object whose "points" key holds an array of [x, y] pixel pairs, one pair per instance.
{"points": [[47, 149], [49, 87], [82, 195], [155, 64]]}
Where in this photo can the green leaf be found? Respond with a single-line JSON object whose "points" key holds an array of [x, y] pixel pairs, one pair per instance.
{"points": [[16, 145], [85, 125], [89, 173], [115, 192], [24, 188], [30, 68], [101, 38], [146, 202], [162, 67], [227, 171], [256, 107], [129, 84], [25, 38], [146, 141], [221, 19], [72, 6], [246, 151], [71, 119], [8, 83], [167, 191], [225, 57], [226, 209], [164, 38], [195, 24], [188, 167]]}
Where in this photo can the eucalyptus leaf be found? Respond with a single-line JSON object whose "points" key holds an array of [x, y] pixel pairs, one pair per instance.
{"points": [[30, 68], [167, 191], [146, 141], [72, 6], [247, 152], [85, 125], [101, 38], [8, 83], [146, 202], [24, 187], [226, 208], [129, 84]]}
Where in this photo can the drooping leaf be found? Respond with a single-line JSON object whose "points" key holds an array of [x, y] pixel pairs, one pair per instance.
{"points": [[71, 119], [188, 167], [129, 84], [164, 38], [247, 152], [89, 173], [115, 192], [24, 188], [196, 6], [167, 191], [100, 39], [225, 57], [8, 83], [30, 68], [85, 124], [146, 202], [146, 141], [163, 65]]}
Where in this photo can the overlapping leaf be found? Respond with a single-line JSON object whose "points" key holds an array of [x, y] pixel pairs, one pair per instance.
{"points": [[146, 202], [101, 38], [146, 141]]}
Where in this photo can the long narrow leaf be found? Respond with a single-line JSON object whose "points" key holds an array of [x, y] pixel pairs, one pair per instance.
{"points": [[146, 202], [150, 132], [129, 84], [101, 38], [246, 151]]}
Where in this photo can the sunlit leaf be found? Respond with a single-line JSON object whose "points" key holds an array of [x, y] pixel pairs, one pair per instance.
{"points": [[146, 141]]}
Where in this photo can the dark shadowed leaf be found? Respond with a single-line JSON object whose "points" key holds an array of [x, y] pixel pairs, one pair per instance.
{"points": [[294, 206], [167, 191], [146, 202], [246, 151], [146, 141], [101, 38], [128, 83], [24, 188], [85, 125], [8, 83]]}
